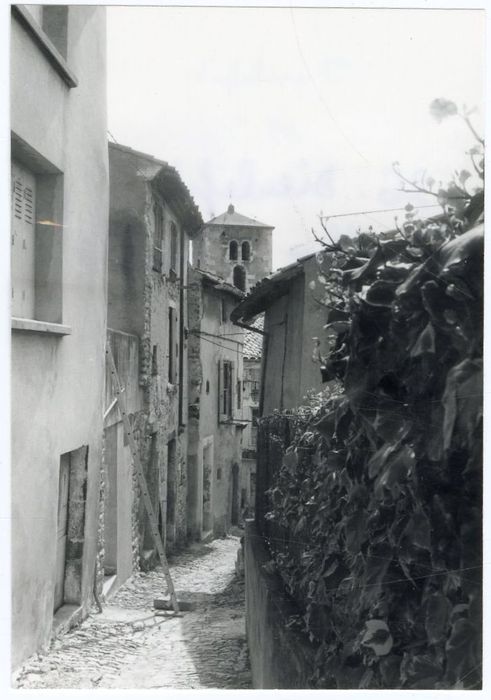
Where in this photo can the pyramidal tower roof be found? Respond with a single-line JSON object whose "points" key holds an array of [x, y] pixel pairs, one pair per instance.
{"points": [[233, 218]]}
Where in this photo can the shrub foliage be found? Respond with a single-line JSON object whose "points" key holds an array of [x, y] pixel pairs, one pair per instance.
{"points": [[375, 512]]}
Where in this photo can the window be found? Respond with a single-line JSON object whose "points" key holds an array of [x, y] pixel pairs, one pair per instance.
{"points": [[54, 23], [47, 27], [240, 277], [255, 391], [225, 376], [207, 386], [239, 394], [255, 416], [36, 237], [254, 419], [158, 237], [171, 337], [173, 247], [23, 241], [246, 251], [233, 250], [53, 20], [155, 368]]}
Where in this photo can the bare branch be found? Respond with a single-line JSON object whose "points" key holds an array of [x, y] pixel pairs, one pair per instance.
{"points": [[474, 132]]}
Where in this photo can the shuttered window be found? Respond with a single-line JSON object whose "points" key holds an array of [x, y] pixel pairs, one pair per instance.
{"points": [[225, 390], [23, 209]]}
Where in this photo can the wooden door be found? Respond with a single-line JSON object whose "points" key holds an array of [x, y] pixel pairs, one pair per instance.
{"points": [[23, 241], [111, 501], [62, 527]]}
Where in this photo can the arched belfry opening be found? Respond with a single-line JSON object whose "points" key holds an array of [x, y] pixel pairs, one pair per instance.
{"points": [[240, 277], [246, 251], [233, 250]]}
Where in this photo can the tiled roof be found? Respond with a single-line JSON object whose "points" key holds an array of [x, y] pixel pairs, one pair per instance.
{"points": [[253, 342], [233, 218], [219, 283], [167, 178]]}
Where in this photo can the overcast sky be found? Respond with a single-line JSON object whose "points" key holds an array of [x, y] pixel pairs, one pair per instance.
{"points": [[289, 113]]}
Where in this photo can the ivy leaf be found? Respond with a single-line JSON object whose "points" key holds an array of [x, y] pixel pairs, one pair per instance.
{"points": [[425, 342], [378, 560], [355, 531], [463, 391], [461, 651], [377, 637], [422, 671], [390, 425], [379, 459], [380, 293], [436, 617], [418, 530], [290, 459], [390, 670], [399, 468]]}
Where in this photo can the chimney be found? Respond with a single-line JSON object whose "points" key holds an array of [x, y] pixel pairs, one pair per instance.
{"points": [[230, 209]]}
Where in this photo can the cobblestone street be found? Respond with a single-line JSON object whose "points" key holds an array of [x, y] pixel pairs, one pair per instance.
{"points": [[130, 646]]}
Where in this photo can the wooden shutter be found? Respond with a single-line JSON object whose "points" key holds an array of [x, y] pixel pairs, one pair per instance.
{"points": [[219, 390], [23, 208]]}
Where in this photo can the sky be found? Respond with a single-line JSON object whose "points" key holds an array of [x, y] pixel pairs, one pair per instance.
{"points": [[293, 113]]}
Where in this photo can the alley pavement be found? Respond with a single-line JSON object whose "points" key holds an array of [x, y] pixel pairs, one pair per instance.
{"points": [[128, 645]]}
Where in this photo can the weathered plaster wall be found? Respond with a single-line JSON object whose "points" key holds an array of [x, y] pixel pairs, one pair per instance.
{"points": [[139, 301], [292, 321], [211, 341], [279, 657], [211, 251], [58, 382]]}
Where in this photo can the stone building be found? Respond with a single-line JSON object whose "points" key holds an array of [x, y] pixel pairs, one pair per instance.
{"points": [[152, 219], [215, 407], [293, 317], [253, 345], [239, 251], [236, 248], [58, 303]]}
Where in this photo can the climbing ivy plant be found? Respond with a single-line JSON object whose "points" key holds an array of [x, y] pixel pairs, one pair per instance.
{"points": [[375, 512]]}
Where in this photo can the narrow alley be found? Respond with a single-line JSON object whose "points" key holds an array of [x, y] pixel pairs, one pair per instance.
{"points": [[131, 645]]}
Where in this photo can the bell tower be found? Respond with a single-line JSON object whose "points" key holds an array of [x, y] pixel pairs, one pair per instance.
{"points": [[236, 248]]}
